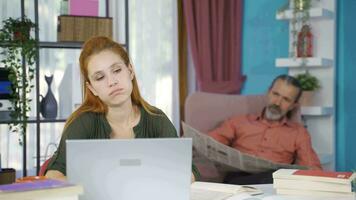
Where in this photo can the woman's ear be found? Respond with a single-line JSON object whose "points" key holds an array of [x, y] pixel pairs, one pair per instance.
{"points": [[90, 87]]}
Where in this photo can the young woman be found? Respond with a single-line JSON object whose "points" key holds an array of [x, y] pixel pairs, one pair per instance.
{"points": [[112, 106]]}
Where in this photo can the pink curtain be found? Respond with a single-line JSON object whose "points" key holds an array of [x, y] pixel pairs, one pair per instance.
{"points": [[215, 31]]}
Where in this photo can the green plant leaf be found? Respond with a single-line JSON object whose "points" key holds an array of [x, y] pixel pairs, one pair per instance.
{"points": [[20, 45], [307, 81]]}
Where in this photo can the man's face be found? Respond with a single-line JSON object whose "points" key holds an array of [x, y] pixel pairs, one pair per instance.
{"points": [[281, 99]]}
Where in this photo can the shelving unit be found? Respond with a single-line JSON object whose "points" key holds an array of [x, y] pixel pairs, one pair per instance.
{"points": [[310, 62], [313, 13], [319, 118], [317, 111], [44, 46]]}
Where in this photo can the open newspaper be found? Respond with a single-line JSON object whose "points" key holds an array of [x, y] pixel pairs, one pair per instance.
{"points": [[227, 158]]}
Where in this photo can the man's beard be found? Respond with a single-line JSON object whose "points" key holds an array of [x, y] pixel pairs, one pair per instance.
{"points": [[273, 113]]}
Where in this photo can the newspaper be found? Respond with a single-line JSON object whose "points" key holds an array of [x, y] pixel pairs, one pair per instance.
{"points": [[227, 158]]}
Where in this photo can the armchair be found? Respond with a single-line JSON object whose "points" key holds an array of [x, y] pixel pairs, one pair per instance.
{"points": [[205, 111]]}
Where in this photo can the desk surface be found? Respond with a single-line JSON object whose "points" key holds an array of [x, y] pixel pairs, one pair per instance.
{"points": [[269, 193]]}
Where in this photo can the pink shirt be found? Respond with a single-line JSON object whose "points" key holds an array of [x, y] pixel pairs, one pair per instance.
{"points": [[281, 142]]}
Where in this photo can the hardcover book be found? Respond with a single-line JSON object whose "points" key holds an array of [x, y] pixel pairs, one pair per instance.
{"points": [[315, 175], [44, 189]]}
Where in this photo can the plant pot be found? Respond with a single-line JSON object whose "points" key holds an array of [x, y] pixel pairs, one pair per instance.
{"points": [[21, 36], [307, 98]]}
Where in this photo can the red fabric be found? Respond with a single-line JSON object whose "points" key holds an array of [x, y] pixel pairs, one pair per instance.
{"points": [[215, 31], [283, 142]]}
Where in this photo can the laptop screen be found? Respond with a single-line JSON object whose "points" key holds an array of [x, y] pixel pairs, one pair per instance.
{"points": [[133, 169]]}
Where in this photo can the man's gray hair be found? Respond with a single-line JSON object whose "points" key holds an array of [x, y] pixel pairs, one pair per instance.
{"points": [[290, 80]]}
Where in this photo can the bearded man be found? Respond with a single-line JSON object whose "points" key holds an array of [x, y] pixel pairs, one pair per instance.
{"points": [[270, 135]]}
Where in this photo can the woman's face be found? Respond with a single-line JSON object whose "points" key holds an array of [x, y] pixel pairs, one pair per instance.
{"points": [[110, 78]]}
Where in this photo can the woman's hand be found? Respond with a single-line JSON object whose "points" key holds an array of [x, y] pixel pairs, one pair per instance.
{"points": [[55, 174], [193, 178]]}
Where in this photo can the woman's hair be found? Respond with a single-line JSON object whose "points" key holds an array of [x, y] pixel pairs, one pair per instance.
{"points": [[92, 103]]}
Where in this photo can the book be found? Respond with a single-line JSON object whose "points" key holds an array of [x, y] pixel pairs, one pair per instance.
{"points": [[219, 191], [41, 190], [314, 193], [315, 175], [311, 185]]}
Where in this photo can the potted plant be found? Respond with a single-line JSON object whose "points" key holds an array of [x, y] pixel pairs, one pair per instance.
{"points": [[19, 52], [309, 84]]}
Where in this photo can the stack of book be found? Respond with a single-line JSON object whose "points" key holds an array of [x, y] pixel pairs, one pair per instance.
{"points": [[41, 190], [314, 182]]}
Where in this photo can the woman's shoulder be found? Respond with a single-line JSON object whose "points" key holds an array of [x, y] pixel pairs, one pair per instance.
{"points": [[85, 122], [87, 118], [153, 113], [159, 122]]}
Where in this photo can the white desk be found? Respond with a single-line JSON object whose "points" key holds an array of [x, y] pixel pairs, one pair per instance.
{"points": [[269, 193]]}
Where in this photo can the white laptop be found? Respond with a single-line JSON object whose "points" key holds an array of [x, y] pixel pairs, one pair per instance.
{"points": [[136, 169]]}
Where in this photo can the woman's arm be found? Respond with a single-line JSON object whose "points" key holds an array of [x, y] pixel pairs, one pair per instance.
{"points": [[55, 174], [80, 128], [193, 178]]}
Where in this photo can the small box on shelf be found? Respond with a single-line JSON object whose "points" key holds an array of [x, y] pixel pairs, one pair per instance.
{"points": [[80, 28], [7, 176]]}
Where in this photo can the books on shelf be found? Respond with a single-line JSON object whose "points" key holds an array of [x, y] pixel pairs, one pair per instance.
{"points": [[313, 182], [41, 190], [219, 191]]}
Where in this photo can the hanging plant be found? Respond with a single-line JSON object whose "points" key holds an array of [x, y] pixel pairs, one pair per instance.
{"points": [[19, 52]]}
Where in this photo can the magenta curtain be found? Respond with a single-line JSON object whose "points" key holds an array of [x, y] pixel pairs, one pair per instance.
{"points": [[215, 31]]}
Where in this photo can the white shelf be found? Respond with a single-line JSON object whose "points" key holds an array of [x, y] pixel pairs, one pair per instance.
{"points": [[316, 111], [297, 62], [313, 13]]}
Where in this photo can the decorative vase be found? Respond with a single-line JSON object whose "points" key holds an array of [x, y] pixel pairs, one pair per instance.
{"points": [[49, 105], [305, 42]]}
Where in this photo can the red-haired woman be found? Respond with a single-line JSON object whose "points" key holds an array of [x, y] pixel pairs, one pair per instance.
{"points": [[113, 107]]}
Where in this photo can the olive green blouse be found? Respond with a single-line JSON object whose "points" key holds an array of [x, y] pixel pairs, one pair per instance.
{"points": [[92, 125]]}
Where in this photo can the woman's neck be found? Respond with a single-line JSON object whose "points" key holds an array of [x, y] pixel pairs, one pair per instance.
{"points": [[123, 115]]}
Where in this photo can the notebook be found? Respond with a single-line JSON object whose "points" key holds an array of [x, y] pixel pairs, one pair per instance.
{"points": [[135, 169]]}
